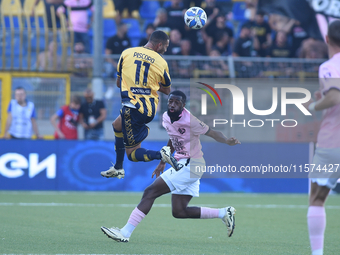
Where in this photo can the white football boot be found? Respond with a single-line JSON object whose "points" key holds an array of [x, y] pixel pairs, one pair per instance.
{"points": [[229, 219], [115, 234], [168, 158], [113, 172]]}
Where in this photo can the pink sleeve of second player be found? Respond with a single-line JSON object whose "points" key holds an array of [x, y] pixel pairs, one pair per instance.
{"points": [[198, 127], [329, 78]]}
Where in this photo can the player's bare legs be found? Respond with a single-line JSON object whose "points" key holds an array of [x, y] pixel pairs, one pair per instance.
{"points": [[316, 217], [180, 209], [155, 190]]}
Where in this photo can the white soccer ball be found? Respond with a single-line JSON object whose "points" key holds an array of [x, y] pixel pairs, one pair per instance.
{"points": [[195, 18]]}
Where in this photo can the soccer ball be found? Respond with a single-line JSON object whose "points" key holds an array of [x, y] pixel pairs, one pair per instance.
{"points": [[195, 17]]}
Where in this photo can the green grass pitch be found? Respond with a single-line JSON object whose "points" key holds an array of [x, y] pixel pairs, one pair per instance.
{"points": [[69, 223]]}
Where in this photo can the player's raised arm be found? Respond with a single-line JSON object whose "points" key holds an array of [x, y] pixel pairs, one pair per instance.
{"points": [[221, 138]]}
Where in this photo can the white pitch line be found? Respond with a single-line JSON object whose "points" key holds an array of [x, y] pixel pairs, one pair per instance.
{"points": [[266, 206]]}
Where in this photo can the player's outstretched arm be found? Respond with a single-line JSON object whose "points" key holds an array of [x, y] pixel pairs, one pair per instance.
{"points": [[221, 138], [331, 98]]}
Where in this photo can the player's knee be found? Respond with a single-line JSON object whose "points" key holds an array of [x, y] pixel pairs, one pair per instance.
{"points": [[179, 214], [149, 193], [116, 125], [317, 200]]}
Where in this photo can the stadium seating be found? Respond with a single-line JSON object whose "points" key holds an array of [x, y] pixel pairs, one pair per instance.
{"points": [[238, 11], [149, 9], [134, 32]]}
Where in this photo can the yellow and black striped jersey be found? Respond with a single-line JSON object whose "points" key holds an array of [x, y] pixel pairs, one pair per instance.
{"points": [[141, 70]]}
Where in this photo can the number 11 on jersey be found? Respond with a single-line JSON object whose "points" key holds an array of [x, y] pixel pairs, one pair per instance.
{"points": [[146, 71]]}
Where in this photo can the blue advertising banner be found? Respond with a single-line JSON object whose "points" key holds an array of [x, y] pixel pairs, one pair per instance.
{"points": [[76, 165]]}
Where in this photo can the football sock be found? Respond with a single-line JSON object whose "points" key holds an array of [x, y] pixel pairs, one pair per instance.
{"points": [[316, 218], [221, 213], [119, 148], [209, 213], [145, 155], [135, 218]]}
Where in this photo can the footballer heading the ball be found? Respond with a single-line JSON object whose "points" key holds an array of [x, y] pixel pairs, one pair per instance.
{"points": [[195, 18]]}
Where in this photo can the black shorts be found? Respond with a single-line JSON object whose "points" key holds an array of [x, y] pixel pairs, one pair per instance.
{"points": [[134, 126]]}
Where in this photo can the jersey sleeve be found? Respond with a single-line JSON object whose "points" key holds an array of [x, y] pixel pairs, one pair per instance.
{"points": [[166, 81], [329, 78], [198, 127], [60, 113], [120, 66]]}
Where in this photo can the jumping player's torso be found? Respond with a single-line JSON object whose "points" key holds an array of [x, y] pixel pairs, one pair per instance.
{"points": [[141, 70]]}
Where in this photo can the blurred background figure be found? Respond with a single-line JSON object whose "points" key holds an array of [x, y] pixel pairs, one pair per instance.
{"points": [[21, 117], [280, 47], [244, 44], [48, 5], [175, 42], [222, 44], [117, 43], [218, 68], [313, 49], [184, 67], [48, 60], [68, 116], [79, 20], [92, 114], [161, 21], [263, 39], [150, 28], [176, 15], [216, 29]]}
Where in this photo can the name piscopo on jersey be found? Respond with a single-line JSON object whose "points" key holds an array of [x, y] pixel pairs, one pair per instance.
{"points": [[144, 57]]}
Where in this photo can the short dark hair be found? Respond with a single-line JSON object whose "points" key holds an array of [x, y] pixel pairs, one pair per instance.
{"points": [[158, 36], [20, 88], [334, 33], [261, 12], [179, 93], [150, 26]]}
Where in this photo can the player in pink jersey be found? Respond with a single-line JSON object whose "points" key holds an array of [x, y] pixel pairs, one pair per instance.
{"points": [[184, 131], [327, 153]]}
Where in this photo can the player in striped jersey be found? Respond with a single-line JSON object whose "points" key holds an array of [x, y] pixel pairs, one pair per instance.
{"points": [[142, 72]]}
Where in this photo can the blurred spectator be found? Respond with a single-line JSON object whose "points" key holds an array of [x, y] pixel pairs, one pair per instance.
{"points": [[263, 39], [68, 116], [176, 15], [313, 49], [184, 67], [21, 117], [216, 29], [148, 30], [251, 7], [79, 20], [280, 47], [244, 44], [117, 43], [198, 39], [218, 68], [92, 113], [212, 10], [175, 43], [82, 64], [161, 21], [48, 60], [48, 5], [131, 5], [222, 44], [297, 33]]}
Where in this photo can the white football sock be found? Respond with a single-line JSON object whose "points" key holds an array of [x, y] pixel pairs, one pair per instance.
{"points": [[221, 213], [127, 230]]}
